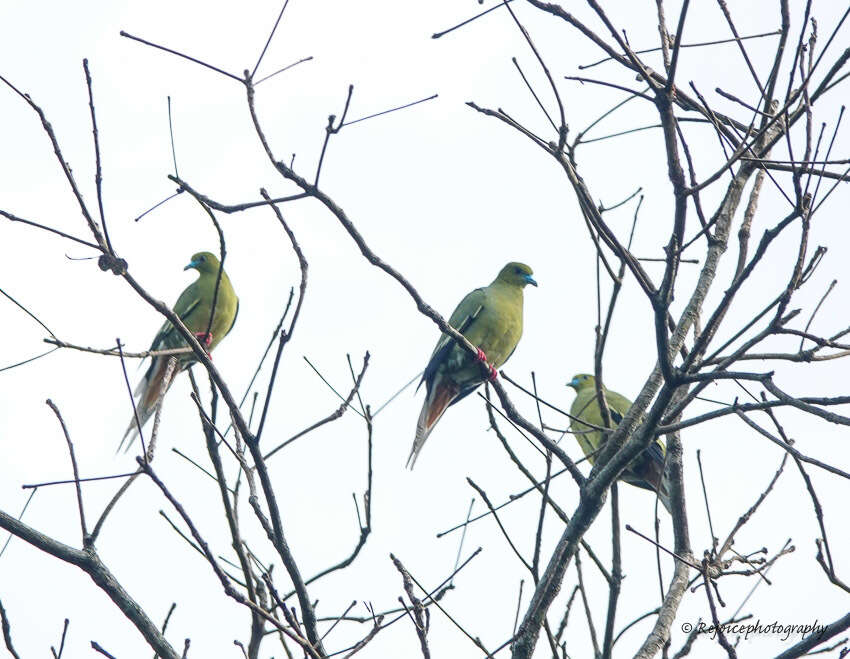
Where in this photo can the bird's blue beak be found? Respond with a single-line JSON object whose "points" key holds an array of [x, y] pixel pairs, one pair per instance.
{"points": [[573, 383], [529, 279], [192, 264]]}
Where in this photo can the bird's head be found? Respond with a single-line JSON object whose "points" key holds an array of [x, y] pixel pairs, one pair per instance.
{"points": [[204, 262], [582, 380], [516, 274]]}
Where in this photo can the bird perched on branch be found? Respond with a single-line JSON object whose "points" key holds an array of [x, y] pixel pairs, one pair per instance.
{"points": [[491, 319], [647, 469], [194, 307]]}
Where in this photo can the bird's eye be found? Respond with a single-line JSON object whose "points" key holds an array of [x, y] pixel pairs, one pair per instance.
{"points": [[518, 271], [202, 259]]}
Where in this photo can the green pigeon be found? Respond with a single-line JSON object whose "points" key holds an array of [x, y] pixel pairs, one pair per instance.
{"points": [[193, 307], [647, 469], [491, 319]]}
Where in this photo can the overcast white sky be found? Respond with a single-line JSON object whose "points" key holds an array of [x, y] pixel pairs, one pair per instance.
{"points": [[440, 192]]}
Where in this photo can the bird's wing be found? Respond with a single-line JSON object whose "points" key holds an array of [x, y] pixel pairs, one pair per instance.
{"points": [[647, 469], [619, 405], [465, 315], [463, 319], [186, 307]]}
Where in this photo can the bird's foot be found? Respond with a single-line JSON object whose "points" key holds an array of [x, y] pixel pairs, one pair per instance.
{"points": [[492, 373], [205, 339]]}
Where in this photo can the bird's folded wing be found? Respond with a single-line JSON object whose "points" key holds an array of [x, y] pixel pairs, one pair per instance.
{"points": [[184, 312], [462, 319]]}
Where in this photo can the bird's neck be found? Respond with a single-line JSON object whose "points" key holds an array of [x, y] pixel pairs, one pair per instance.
{"points": [[506, 289], [211, 277]]}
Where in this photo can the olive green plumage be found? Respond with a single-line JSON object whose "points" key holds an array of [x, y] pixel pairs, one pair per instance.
{"points": [[491, 319], [647, 469], [193, 307]]}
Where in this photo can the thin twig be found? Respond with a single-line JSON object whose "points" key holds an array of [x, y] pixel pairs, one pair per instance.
{"points": [[269, 40], [179, 54], [7, 632], [70, 444]]}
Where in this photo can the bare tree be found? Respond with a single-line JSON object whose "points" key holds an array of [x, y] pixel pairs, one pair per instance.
{"points": [[768, 140]]}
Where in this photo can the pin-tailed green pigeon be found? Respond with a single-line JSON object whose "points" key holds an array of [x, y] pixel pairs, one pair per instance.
{"points": [[647, 469], [194, 307], [491, 319]]}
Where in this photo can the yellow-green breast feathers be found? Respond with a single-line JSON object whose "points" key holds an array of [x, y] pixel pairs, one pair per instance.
{"points": [[193, 307], [491, 319], [647, 469]]}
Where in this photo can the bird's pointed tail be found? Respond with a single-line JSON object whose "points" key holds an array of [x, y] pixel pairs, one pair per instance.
{"points": [[436, 402], [649, 472], [146, 394]]}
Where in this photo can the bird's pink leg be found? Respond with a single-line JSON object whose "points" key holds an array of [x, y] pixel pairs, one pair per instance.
{"points": [[205, 339], [492, 372]]}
